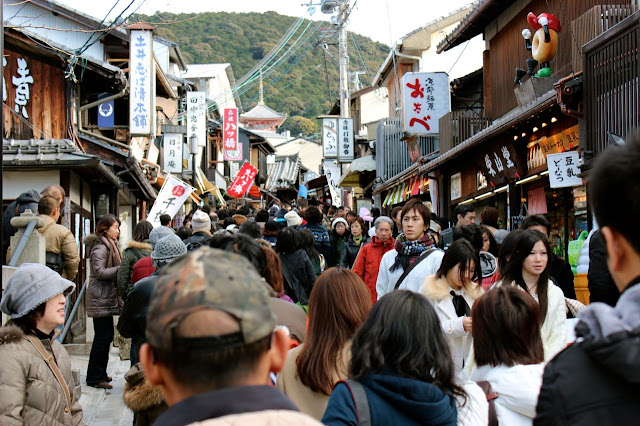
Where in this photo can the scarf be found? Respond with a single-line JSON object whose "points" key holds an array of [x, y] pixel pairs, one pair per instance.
{"points": [[460, 305], [115, 257], [409, 251]]}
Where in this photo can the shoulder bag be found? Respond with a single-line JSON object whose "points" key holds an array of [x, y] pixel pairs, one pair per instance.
{"points": [[50, 361], [363, 414], [406, 272]]}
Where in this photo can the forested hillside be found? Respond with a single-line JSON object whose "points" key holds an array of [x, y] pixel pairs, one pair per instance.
{"points": [[301, 81]]}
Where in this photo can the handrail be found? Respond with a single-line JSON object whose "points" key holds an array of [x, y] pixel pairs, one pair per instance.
{"points": [[69, 320], [23, 241]]}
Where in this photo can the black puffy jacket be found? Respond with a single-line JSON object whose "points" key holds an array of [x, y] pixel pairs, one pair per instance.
{"points": [[298, 275], [350, 251], [601, 285]]}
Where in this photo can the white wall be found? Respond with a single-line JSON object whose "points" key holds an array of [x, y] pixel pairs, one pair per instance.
{"points": [[374, 106], [469, 58], [15, 183]]}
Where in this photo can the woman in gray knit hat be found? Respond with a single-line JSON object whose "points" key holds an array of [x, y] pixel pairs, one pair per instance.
{"points": [[35, 370]]}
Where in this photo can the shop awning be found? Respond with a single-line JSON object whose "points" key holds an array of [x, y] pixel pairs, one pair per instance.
{"points": [[415, 185], [351, 178]]}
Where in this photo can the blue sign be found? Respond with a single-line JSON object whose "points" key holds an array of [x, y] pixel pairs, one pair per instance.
{"points": [[303, 191], [105, 113]]}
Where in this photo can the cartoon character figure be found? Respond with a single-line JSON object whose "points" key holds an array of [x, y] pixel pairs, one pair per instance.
{"points": [[544, 46]]}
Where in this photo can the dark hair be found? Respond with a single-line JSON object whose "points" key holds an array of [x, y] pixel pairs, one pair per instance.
{"points": [[228, 221], [307, 243], [287, 240], [271, 229], [184, 232], [421, 209], [105, 223], [332, 210], [223, 214], [507, 248], [360, 222], [206, 209], [390, 341], [395, 211], [375, 212], [262, 216], [462, 253], [273, 272], [142, 230], [165, 219], [489, 217], [613, 189], [506, 328], [462, 210], [536, 220], [242, 245], [252, 229], [313, 215], [29, 322], [513, 268], [244, 210], [352, 213], [339, 303], [302, 203], [493, 244], [47, 205], [471, 233]]}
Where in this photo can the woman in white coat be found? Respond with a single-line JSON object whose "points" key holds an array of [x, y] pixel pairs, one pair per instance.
{"points": [[508, 351], [452, 292], [414, 256]]}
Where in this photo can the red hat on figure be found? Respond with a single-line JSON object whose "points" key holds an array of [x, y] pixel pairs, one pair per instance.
{"points": [[553, 21]]}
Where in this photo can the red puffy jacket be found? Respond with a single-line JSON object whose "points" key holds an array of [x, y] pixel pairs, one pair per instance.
{"points": [[142, 269], [368, 263]]}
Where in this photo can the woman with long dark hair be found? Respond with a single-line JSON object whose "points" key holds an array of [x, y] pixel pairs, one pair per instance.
{"points": [[297, 269], [137, 248], [102, 296], [452, 292], [339, 303], [528, 270], [509, 352], [402, 360], [307, 243]]}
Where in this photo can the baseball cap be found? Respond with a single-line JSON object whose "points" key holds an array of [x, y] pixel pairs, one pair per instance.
{"points": [[208, 279]]}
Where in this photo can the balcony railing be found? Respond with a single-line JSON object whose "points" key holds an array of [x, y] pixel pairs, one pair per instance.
{"points": [[458, 126]]}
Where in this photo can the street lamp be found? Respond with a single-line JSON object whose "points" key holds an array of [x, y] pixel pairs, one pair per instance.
{"points": [[193, 149]]}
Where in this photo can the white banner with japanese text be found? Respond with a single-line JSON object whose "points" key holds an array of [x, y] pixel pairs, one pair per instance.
{"points": [[171, 197], [427, 97], [564, 169], [172, 152], [330, 137], [197, 117], [345, 139], [142, 77]]}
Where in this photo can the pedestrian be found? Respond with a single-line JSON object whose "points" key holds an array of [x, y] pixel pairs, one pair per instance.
{"points": [[270, 232], [201, 225], [489, 219], [293, 219], [36, 386], [321, 237], [252, 229], [144, 267], [339, 237], [508, 352], [356, 240], [307, 243], [338, 305], [452, 292], [212, 344], [596, 381], [137, 248], [297, 269], [528, 270], [415, 255], [367, 263], [351, 217], [102, 301], [184, 232], [465, 214], [602, 288], [396, 215], [406, 371], [507, 248]]}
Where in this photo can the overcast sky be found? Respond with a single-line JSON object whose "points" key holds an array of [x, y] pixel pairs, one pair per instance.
{"points": [[368, 18]]}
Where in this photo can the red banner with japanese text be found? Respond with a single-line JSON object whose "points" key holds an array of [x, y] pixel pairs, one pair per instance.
{"points": [[243, 181], [230, 129]]}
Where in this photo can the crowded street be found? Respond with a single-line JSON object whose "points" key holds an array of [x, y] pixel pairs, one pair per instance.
{"points": [[328, 212]]}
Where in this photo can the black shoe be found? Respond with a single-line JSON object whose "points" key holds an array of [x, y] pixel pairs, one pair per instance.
{"points": [[109, 379]]}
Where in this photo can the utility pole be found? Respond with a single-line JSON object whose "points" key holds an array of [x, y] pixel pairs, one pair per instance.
{"points": [[343, 16]]}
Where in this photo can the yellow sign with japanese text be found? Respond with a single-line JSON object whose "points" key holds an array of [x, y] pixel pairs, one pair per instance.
{"points": [[560, 142]]}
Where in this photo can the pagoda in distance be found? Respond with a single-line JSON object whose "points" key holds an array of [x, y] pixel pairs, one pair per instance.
{"points": [[261, 117]]}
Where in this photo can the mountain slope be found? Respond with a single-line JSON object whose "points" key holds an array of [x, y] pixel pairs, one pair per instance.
{"points": [[301, 80]]}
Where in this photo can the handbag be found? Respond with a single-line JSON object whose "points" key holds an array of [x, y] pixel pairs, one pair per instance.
{"points": [[49, 360], [491, 399], [406, 272], [363, 413]]}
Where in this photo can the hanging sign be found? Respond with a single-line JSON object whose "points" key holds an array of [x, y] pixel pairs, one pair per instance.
{"points": [[561, 142], [332, 172], [234, 155], [345, 139], [499, 164], [456, 186], [330, 137], [172, 143], [564, 169], [242, 181], [230, 129], [142, 77], [197, 117], [426, 98], [171, 197], [105, 112]]}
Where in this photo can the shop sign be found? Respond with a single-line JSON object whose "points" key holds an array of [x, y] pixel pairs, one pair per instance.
{"points": [[230, 126], [172, 144], [426, 98], [499, 163], [142, 83], [345, 139], [564, 169], [171, 197], [330, 137], [242, 181], [332, 172], [234, 155], [456, 186], [234, 168], [197, 117], [561, 142]]}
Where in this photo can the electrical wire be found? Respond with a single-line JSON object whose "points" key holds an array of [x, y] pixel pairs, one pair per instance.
{"points": [[355, 44], [459, 56], [395, 69]]}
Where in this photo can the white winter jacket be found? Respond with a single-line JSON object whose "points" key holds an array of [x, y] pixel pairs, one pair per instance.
{"points": [[475, 410], [387, 279], [517, 387]]}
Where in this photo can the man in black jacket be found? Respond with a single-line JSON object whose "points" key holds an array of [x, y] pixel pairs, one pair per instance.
{"points": [[596, 381]]}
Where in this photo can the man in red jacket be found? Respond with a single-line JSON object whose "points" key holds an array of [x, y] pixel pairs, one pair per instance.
{"points": [[368, 260]]}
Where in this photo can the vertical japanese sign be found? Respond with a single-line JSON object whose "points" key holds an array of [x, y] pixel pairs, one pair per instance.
{"points": [[171, 197], [242, 181], [142, 76], [172, 152], [345, 139], [456, 186], [426, 98], [564, 169], [499, 164], [22, 83], [230, 126], [197, 117], [332, 172], [330, 137]]}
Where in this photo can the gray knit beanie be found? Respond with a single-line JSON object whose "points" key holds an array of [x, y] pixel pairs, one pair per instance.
{"points": [[168, 248], [157, 233], [31, 285], [200, 221]]}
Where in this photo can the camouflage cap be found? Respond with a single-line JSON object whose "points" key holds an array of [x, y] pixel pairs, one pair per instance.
{"points": [[209, 279]]}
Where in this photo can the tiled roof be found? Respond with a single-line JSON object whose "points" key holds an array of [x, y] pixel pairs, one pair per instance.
{"points": [[283, 173]]}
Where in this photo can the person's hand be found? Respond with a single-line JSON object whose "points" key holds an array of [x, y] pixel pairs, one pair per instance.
{"points": [[466, 324]]}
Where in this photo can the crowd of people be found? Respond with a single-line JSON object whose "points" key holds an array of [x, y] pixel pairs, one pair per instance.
{"points": [[307, 315]]}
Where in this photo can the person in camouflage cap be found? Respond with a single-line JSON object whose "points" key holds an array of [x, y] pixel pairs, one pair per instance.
{"points": [[211, 343]]}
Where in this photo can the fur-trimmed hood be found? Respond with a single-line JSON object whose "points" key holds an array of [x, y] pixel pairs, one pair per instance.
{"points": [[91, 241], [145, 245], [139, 394], [10, 334], [437, 289]]}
